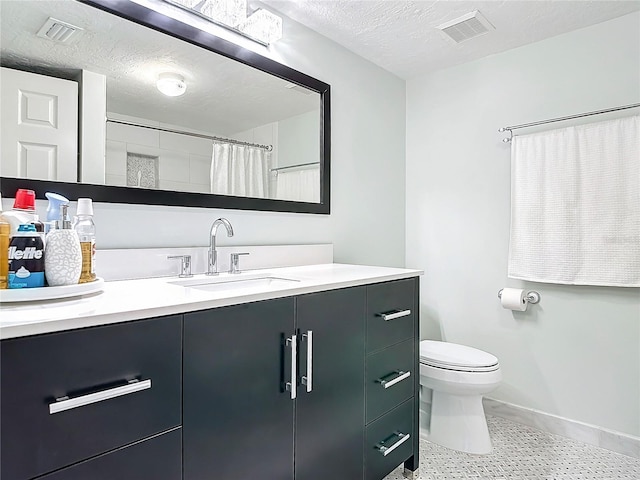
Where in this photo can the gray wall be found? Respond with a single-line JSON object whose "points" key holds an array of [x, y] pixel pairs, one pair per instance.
{"points": [[577, 353], [368, 142]]}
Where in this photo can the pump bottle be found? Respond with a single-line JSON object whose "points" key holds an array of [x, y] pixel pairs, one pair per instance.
{"points": [[63, 259]]}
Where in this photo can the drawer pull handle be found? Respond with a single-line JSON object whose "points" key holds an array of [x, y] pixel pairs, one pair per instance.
{"points": [[393, 315], [400, 376], [386, 450], [308, 378], [291, 386], [66, 403]]}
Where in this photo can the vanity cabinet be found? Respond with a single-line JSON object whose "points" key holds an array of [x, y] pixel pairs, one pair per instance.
{"points": [[70, 396], [264, 380], [310, 387]]}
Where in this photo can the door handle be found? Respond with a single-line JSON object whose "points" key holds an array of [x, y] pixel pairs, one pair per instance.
{"points": [[308, 378], [291, 386]]}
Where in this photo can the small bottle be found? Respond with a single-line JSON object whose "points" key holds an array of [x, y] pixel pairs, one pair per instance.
{"points": [[26, 258], [5, 236], [86, 229], [63, 262]]}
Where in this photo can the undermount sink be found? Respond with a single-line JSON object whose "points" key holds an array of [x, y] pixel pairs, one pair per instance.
{"points": [[219, 284]]}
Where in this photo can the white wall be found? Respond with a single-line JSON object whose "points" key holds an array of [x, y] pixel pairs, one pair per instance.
{"points": [[366, 223], [577, 353], [298, 139]]}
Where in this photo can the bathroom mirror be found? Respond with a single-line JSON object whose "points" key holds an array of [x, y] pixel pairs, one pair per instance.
{"points": [[248, 132]]}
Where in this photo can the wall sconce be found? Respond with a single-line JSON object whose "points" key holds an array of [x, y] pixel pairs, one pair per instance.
{"points": [[171, 84], [260, 26]]}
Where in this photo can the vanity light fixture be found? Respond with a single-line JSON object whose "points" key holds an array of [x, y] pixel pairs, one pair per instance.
{"points": [[171, 84], [261, 26]]}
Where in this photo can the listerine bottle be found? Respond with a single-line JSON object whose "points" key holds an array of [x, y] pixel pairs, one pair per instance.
{"points": [[86, 230]]}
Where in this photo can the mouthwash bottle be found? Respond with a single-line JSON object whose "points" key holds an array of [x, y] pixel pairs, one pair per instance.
{"points": [[86, 230]]}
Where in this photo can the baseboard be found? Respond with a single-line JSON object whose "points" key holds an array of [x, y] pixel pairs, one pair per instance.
{"points": [[582, 432]]}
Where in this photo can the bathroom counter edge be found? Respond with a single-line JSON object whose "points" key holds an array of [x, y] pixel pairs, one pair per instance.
{"points": [[128, 300]]}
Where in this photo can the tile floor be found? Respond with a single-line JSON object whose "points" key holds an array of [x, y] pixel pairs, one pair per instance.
{"points": [[523, 453]]}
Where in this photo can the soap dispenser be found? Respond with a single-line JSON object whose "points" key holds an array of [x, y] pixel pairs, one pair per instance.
{"points": [[63, 259]]}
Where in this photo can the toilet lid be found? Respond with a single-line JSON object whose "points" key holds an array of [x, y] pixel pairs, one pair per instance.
{"points": [[454, 356]]}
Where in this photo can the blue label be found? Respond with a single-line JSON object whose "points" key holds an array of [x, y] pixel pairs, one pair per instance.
{"points": [[34, 279]]}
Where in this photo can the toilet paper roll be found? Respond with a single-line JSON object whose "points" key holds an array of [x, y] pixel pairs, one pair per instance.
{"points": [[514, 299]]}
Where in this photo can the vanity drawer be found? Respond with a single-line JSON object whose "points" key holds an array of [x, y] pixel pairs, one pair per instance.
{"points": [[389, 441], [390, 378], [92, 368], [158, 458], [390, 313]]}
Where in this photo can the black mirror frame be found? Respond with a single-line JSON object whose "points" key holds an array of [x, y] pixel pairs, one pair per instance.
{"points": [[112, 194]]}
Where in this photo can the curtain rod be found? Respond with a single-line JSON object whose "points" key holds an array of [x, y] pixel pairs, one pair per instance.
{"points": [[268, 148], [559, 119], [294, 166]]}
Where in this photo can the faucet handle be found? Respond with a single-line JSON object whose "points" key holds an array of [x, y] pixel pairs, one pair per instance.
{"points": [[235, 262], [185, 265]]}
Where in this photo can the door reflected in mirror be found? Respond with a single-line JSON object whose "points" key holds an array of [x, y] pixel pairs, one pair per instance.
{"points": [[230, 130]]}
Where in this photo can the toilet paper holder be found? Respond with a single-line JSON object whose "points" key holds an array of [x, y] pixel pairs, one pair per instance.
{"points": [[532, 297]]}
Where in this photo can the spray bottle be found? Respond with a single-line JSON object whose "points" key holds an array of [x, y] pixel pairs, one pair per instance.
{"points": [[53, 209]]}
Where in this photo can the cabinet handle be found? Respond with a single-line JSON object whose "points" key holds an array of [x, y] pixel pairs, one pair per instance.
{"points": [[384, 450], [308, 378], [394, 314], [65, 403], [291, 386], [390, 383]]}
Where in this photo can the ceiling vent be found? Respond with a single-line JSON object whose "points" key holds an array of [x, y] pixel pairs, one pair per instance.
{"points": [[60, 31], [467, 26]]}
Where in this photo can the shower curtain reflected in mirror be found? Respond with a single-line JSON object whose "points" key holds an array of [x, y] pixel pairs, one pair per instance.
{"points": [[240, 170], [302, 185]]}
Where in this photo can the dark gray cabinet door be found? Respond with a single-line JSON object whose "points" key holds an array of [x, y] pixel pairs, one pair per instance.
{"points": [[330, 418], [238, 416]]}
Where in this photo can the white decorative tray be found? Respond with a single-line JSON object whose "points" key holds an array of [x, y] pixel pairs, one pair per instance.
{"points": [[50, 293]]}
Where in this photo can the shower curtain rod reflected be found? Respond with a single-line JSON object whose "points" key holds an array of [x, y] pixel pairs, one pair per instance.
{"points": [[294, 166], [559, 119], [268, 148]]}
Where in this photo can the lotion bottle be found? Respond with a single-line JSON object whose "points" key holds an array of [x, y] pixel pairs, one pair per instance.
{"points": [[63, 259]]}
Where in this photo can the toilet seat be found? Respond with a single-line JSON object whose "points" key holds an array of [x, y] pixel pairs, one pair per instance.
{"points": [[452, 356]]}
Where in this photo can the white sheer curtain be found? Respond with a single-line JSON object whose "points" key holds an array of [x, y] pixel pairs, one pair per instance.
{"points": [[240, 170], [299, 185]]}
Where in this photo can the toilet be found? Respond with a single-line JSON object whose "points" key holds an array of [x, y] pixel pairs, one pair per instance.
{"points": [[453, 380]]}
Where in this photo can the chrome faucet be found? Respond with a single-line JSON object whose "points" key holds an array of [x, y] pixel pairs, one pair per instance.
{"points": [[212, 267]]}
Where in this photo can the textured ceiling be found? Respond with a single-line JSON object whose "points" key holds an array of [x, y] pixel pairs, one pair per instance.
{"points": [[222, 96], [401, 37], [226, 97]]}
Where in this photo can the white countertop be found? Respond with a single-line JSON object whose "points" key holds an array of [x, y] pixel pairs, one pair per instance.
{"points": [[147, 298]]}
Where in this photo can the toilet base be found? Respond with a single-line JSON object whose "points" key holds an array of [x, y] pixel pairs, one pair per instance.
{"points": [[458, 422]]}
